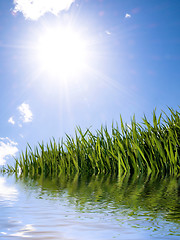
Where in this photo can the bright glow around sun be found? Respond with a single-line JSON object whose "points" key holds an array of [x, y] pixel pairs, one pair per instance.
{"points": [[61, 52]]}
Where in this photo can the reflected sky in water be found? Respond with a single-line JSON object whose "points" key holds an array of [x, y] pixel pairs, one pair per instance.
{"points": [[8, 193], [78, 208]]}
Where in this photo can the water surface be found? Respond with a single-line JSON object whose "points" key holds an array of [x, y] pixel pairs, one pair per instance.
{"points": [[80, 207]]}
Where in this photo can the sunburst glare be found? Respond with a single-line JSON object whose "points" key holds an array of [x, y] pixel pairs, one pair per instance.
{"points": [[61, 51]]}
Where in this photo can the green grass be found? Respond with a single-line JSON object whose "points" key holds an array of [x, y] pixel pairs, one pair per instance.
{"points": [[146, 148]]}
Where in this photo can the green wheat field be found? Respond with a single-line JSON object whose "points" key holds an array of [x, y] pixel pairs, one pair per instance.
{"points": [[146, 148]]}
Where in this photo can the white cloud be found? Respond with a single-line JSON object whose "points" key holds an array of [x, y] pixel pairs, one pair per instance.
{"points": [[128, 15], [108, 32], [7, 148], [11, 120], [33, 9], [25, 113]]}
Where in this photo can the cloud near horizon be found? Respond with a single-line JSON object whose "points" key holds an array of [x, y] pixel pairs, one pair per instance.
{"points": [[25, 113], [7, 148], [34, 9]]}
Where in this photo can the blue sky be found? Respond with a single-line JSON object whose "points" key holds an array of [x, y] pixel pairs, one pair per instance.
{"points": [[132, 61]]}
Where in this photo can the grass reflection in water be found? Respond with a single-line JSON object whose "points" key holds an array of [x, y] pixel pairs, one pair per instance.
{"points": [[147, 203]]}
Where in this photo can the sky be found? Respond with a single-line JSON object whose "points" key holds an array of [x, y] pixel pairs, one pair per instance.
{"points": [[68, 63]]}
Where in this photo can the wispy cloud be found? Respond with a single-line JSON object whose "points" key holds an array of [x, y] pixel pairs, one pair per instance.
{"points": [[11, 120], [108, 32], [25, 113], [7, 148], [34, 9], [128, 15]]}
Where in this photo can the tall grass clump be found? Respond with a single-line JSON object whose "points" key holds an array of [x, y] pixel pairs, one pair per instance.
{"points": [[146, 148]]}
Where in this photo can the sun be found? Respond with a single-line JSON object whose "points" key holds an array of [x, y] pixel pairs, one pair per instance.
{"points": [[61, 51]]}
